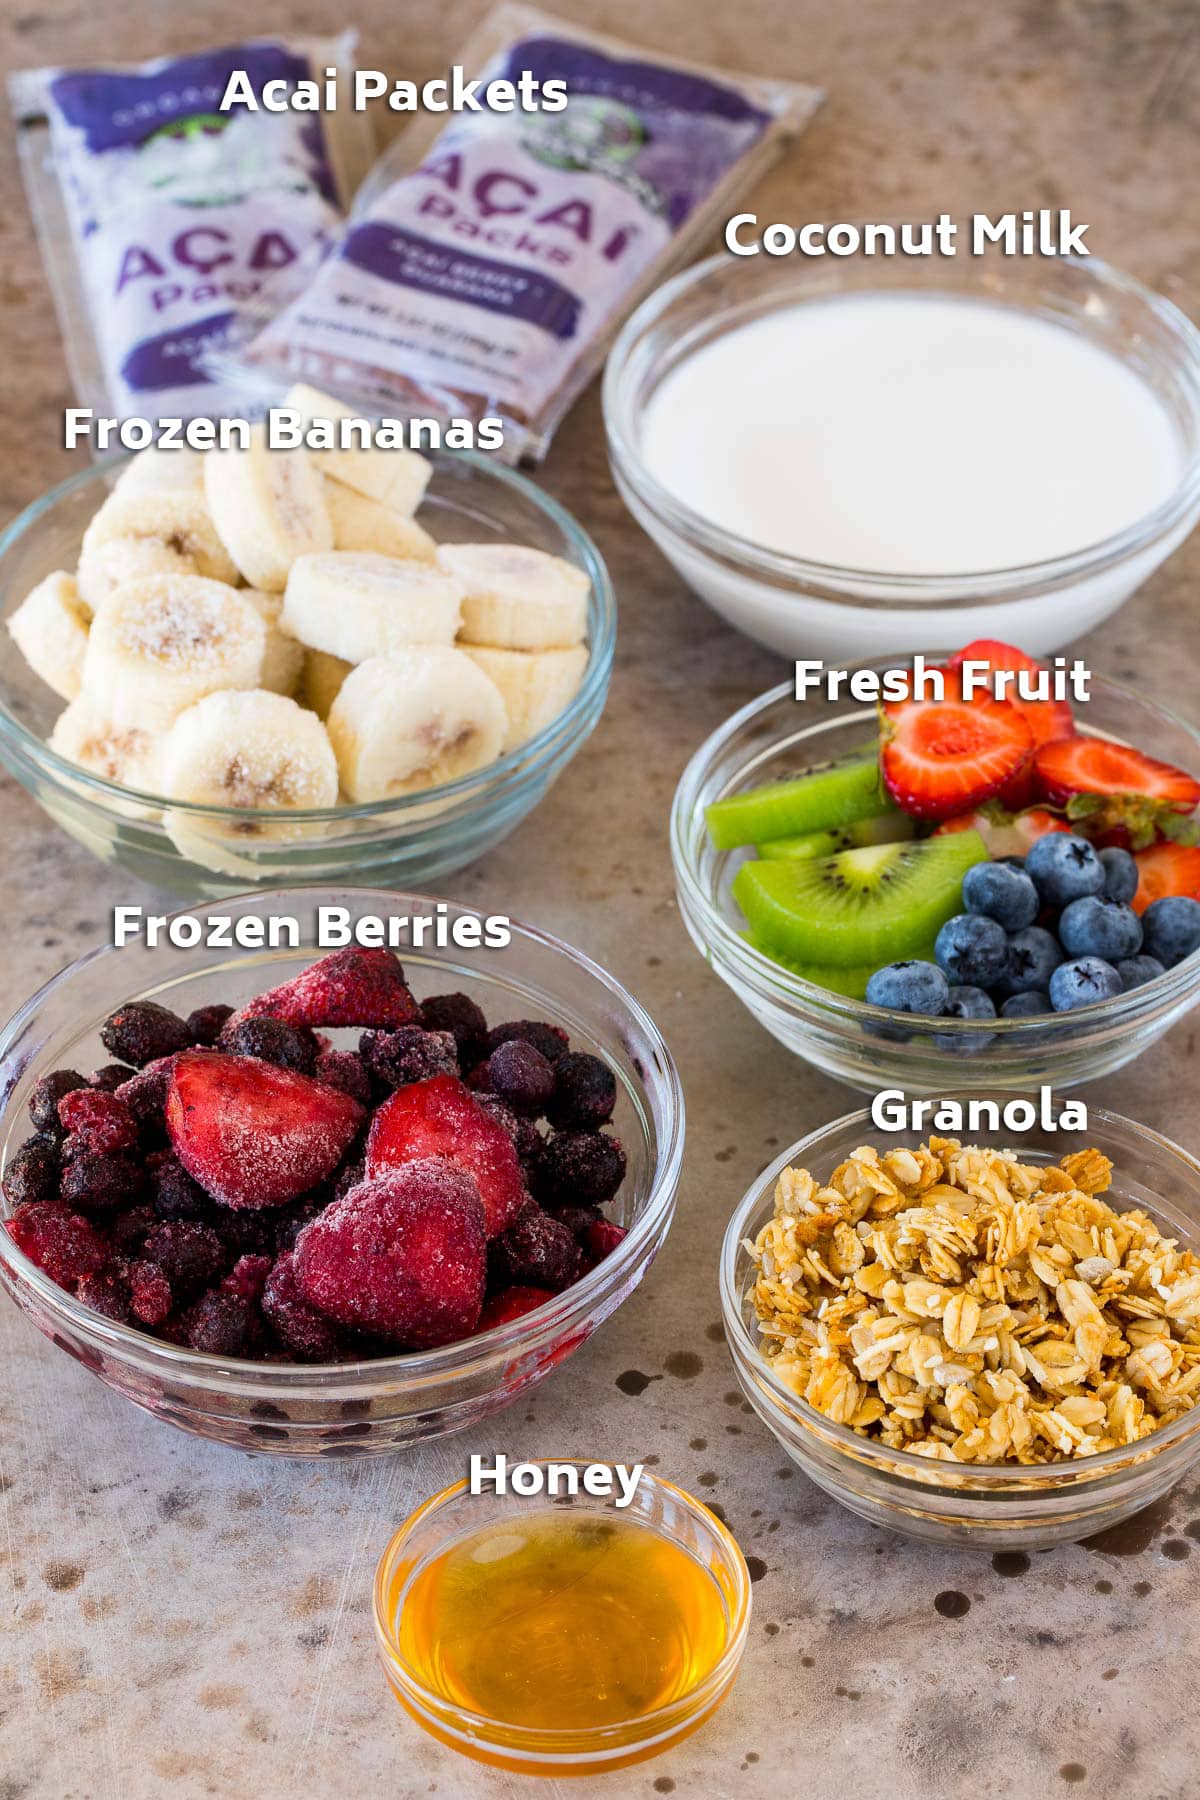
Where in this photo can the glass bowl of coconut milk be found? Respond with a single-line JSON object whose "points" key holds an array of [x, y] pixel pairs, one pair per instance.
{"points": [[840, 453]]}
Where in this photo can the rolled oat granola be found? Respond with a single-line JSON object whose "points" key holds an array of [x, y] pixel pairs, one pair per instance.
{"points": [[957, 1303]]}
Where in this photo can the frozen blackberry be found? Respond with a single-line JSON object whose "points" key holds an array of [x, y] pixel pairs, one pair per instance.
{"points": [[176, 1195], [585, 1092], [578, 1220], [551, 1040], [106, 1292], [206, 1024], [518, 1074], [103, 1184], [33, 1172], [305, 1331], [43, 1101], [343, 1070], [535, 1251], [142, 1031], [459, 1015], [578, 1168], [221, 1324], [145, 1094], [273, 1041], [244, 1232], [130, 1229], [291, 1220], [110, 1077], [190, 1255], [396, 1058]]}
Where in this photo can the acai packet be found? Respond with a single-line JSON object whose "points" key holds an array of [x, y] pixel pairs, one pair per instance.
{"points": [[489, 260], [159, 216]]}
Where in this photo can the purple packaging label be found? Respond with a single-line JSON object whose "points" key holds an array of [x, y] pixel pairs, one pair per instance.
{"points": [[407, 260]]}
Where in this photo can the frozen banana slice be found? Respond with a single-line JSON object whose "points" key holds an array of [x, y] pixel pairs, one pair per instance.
{"points": [[283, 659], [158, 471], [535, 685], [321, 680], [518, 598], [362, 524], [50, 629], [269, 507], [412, 720], [103, 568], [159, 645], [398, 477], [253, 749], [355, 604], [84, 734], [180, 520]]}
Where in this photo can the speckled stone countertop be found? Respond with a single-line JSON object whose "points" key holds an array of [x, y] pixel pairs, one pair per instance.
{"points": [[180, 1620]]}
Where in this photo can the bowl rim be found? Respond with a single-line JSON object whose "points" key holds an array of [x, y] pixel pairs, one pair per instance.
{"points": [[415, 1369], [547, 1742], [508, 769], [784, 570], [985, 1478], [775, 982]]}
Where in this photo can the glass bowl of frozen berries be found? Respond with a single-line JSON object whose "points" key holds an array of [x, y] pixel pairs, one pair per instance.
{"points": [[955, 885], [326, 1206]]}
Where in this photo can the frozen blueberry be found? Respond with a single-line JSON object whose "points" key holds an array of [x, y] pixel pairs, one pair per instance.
{"points": [[396, 1058], [518, 1075], [585, 1093], [102, 1183], [1082, 982], [190, 1255], [143, 1031], [108, 1079], [998, 891], [1028, 1005], [1120, 874], [1064, 868], [536, 1251], [1136, 971], [966, 1003], [1033, 956], [43, 1101], [33, 1173], [972, 951], [271, 1040], [459, 1015], [176, 1195], [206, 1024], [578, 1168], [1171, 928], [551, 1040], [909, 987], [1095, 926]]}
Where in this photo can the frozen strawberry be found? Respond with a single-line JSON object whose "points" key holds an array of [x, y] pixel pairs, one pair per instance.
{"points": [[601, 1239], [1166, 869], [1047, 719], [940, 758], [98, 1123], [253, 1134], [512, 1303], [403, 1256], [1005, 833], [58, 1240], [442, 1118], [1092, 765], [348, 987]]}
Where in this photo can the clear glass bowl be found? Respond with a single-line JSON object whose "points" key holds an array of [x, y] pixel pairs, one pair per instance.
{"points": [[413, 840], [984, 1507], [802, 608], [452, 1515], [867, 1046], [375, 1407]]}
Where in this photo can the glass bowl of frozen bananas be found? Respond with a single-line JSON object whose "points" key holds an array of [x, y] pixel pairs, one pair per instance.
{"points": [[254, 666]]}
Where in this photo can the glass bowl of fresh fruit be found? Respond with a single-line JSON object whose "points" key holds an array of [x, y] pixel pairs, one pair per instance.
{"points": [[918, 894], [333, 1206]]}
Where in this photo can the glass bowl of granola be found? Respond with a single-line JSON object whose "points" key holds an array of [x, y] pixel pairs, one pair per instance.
{"points": [[971, 1344]]}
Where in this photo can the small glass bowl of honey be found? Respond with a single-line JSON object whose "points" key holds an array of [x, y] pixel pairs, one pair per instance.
{"points": [[562, 1636]]}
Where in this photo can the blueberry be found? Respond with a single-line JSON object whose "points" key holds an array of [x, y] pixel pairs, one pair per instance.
{"points": [[1033, 956], [1028, 1005], [1136, 971], [1120, 875], [972, 951], [1080, 983], [1171, 928], [910, 987], [1064, 868], [1000, 892], [966, 1003], [1095, 926]]}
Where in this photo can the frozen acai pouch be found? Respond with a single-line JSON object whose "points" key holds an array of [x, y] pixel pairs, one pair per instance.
{"points": [[160, 217], [489, 258]]}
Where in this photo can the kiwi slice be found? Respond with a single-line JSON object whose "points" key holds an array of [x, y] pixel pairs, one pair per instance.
{"points": [[871, 905], [850, 981], [833, 794], [892, 827]]}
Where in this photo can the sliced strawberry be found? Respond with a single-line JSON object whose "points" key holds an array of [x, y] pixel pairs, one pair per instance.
{"points": [[600, 1239], [1092, 765], [441, 1117], [512, 1303], [1166, 869], [1005, 833], [253, 1134], [403, 1255], [1047, 719], [944, 757], [348, 987]]}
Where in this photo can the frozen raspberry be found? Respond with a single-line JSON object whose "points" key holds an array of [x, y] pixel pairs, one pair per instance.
{"points": [[107, 1293], [110, 1077], [536, 1251], [248, 1277], [402, 1257], [348, 987], [343, 1070], [519, 1075], [176, 1195], [601, 1239], [550, 1040], [61, 1243], [130, 1229], [221, 1324], [190, 1255], [585, 1092], [145, 1094], [459, 1015], [149, 1293], [97, 1123], [396, 1058], [33, 1172], [142, 1031], [512, 1303], [578, 1168], [206, 1024], [305, 1331], [443, 1118], [103, 1184], [43, 1101], [287, 1046]]}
